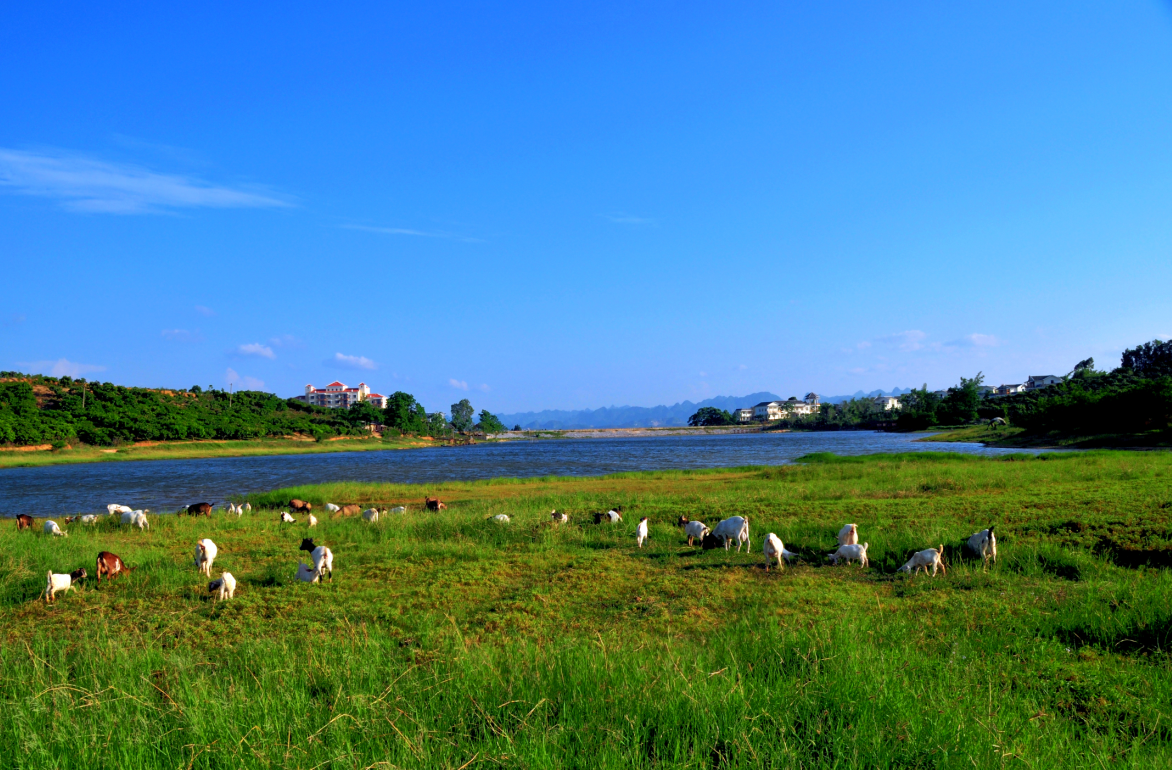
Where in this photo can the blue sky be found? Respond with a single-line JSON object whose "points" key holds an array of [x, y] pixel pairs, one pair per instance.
{"points": [[575, 205]]}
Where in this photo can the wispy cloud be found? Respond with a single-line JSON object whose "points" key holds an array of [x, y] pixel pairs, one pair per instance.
{"points": [[286, 341], [205, 311], [243, 382], [86, 184], [907, 341], [255, 349], [416, 233], [182, 335], [344, 361], [628, 219], [62, 367], [458, 384]]}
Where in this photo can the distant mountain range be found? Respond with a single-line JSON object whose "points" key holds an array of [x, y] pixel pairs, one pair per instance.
{"points": [[654, 416]]}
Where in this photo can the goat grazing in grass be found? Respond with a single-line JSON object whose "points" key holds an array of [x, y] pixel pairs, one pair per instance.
{"points": [[613, 516], [61, 583], [51, 528], [350, 510], [23, 522], [775, 549], [558, 517], [399, 509], [331, 508], [849, 535], [984, 545], [695, 530], [110, 565], [849, 553], [921, 560], [371, 515], [300, 505], [139, 519], [114, 508], [733, 528], [307, 574], [500, 518], [200, 509], [312, 520], [323, 558], [89, 518], [433, 504], [224, 586], [641, 532], [205, 554], [286, 518]]}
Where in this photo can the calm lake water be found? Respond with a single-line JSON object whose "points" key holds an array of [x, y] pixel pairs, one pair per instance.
{"points": [[164, 485]]}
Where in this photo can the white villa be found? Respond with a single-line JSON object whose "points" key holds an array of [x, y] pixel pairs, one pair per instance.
{"points": [[1039, 381], [885, 404], [768, 411], [337, 396]]}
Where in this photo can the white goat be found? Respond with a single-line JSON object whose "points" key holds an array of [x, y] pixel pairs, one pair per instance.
{"points": [[312, 520], [558, 518], [114, 508], [60, 582], [286, 518], [307, 574], [984, 544], [370, 514], [733, 528], [323, 561], [51, 528], [695, 530], [775, 549], [849, 535], [139, 519], [500, 518], [332, 508], [641, 532], [89, 518], [932, 557], [849, 553], [236, 509], [205, 554], [248, 507], [224, 586], [127, 517], [399, 509]]}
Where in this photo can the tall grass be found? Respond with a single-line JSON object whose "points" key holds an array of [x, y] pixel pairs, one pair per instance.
{"points": [[448, 641]]}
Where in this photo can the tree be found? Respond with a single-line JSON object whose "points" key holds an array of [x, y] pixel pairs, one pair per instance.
{"points": [[1151, 359], [363, 413], [489, 423], [405, 414], [436, 424], [517, 427], [961, 404], [462, 416], [710, 415]]}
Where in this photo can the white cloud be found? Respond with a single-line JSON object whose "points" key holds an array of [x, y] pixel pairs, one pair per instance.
{"points": [[417, 233], [458, 384], [352, 362], [256, 349], [286, 341], [182, 335], [86, 184], [243, 382], [62, 367], [205, 311]]}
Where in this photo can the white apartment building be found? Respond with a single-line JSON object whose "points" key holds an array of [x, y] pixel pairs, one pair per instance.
{"points": [[885, 404], [337, 395], [767, 411], [743, 415]]}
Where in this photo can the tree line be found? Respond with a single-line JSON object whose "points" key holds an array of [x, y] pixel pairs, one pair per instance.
{"points": [[36, 409]]}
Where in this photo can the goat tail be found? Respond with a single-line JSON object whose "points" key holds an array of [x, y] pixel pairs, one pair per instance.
{"points": [[940, 550]]}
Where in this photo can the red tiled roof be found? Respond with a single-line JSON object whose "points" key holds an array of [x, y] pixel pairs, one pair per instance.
{"points": [[335, 384]]}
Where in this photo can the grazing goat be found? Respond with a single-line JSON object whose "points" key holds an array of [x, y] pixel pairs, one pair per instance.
{"points": [[248, 507], [200, 509], [610, 517], [558, 518], [695, 530], [51, 528], [641, 532], [330, 507], [110, 565], [23, 522], [500, 518], [370, 514], [236, 509], [300, 505], [932, 557], [286, 518], [89, 518], [139, 519], [733, 528], [61, 583], [433, 504], [224, 586], [312, 520], [114, 508], [984, 544], [350, 510], [849, 535], [849, 553], [323, 558], [205, 554], [399, 509], [774, 549], [307, 574]]}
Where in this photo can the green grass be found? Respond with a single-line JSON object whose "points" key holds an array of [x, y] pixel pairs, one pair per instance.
{"points": [[192, 450], [446, 641], [1017, 437]]}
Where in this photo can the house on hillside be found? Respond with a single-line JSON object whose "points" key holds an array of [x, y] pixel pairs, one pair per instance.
{"points": [[768, 411], [1039, 381], [743, 415], [885, 404], [337, 395], [1009, 390]]}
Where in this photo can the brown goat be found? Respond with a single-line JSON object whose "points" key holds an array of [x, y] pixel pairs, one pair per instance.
{"points": [[23, 522], [300, 505], [434, 504], [110, 565], [200, 509], [350, 510]]}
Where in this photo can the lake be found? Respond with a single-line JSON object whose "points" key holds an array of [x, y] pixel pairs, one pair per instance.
{"points": [[165, 485]]}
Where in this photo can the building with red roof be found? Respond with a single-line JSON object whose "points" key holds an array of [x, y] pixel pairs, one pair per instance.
{"points": [[337, 395]]}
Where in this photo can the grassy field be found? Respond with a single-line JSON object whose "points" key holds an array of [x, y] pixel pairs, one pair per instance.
{"points": [[191, 450], [1017, 437], [446, 641]]}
